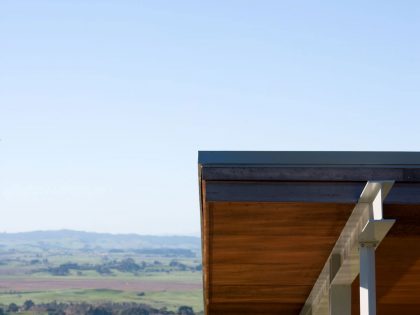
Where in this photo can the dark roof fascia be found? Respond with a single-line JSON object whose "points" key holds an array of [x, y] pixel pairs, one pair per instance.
{"points": [[309, 159]]}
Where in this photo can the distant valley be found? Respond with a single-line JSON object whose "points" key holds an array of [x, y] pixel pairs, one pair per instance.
{"points": [[99, 270]]}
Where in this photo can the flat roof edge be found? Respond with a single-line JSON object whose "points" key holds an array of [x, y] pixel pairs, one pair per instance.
{"points": [[308, 158]]}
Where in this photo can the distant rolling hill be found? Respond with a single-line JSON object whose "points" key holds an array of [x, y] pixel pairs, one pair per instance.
{"points": [[68, 239]]}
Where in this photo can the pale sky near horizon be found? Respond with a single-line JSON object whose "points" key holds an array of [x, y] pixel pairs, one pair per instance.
{"points": [[104, 104]]}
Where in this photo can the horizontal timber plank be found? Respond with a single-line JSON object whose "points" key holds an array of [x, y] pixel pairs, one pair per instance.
{"points": [[266, 274], [261, 293], [254, 308], [278, 219], [261, 249]]}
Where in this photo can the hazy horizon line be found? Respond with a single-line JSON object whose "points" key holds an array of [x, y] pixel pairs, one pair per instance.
{"points": [[195, 234]]}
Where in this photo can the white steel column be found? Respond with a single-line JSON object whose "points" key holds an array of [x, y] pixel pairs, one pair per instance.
{"points": [[353, 252], [367, 279], [368, 241]]}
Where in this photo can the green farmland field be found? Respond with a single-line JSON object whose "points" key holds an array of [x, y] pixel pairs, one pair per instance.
{"points": [[43, 272]]}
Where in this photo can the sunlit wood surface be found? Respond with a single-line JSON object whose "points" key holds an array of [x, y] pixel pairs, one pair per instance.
{"points": [[271, 219], [263, 258]]}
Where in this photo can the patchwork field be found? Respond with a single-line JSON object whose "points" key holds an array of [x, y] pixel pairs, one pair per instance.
{"points": [[57, 270], [149, 285]]}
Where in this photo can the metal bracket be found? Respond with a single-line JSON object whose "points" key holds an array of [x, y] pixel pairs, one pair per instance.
{"points": [[375, 231]]}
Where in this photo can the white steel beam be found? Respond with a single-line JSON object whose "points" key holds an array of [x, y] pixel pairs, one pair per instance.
{"points": [[340, 299], [365, 225]]}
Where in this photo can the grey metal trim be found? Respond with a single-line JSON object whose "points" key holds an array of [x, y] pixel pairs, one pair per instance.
{"points": [[308, 158], [404, 194], [328, 192], [304, 173]]}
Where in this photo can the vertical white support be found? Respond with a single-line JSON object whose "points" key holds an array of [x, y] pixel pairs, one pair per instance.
{"points": [[367, 279], [364, 230], [340, 299]]}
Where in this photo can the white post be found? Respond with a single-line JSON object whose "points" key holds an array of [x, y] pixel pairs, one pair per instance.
{"points": [[364, 230], [367, 279]]}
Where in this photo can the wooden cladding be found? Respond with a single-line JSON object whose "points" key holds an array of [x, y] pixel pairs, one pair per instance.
{"points": [[263, 258], [271, 219]]}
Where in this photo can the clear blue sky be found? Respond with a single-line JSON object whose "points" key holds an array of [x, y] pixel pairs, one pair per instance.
{"points": [[104, 104]]}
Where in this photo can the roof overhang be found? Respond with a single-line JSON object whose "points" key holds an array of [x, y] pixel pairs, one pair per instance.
{"points": [[237, 186]]}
